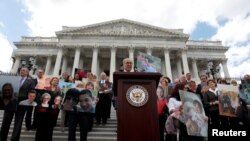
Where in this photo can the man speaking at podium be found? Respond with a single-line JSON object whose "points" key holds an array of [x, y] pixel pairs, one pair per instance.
{"points": [[127, 65]]}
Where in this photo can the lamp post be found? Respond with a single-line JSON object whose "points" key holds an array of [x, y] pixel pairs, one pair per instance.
{"points": [[30, 65], [212, 69]]}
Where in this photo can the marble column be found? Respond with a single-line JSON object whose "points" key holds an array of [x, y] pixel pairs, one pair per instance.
{"points": [[58, 62], [168, 64], [149, 50], [184, 60], [16, 64], [225, 69], [179, 68], [94, 60], [195, 70], [48, 65], [32, 60], [112, 63], [64, 64], [98, 68], [81, 62], [131, 55], [163, 66], [76, 60]]}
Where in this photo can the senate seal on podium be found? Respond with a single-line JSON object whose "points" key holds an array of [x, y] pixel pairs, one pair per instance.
{"points": [[137, 95]]}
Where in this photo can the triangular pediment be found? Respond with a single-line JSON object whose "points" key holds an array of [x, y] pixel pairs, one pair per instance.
{"points": [[121, 27]]}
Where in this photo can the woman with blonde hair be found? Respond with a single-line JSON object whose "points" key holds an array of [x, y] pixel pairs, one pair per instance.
{"points": [[164, 81], [54, 82]]}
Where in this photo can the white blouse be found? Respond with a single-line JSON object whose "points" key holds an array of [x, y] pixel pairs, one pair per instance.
{"points": [[173, 104]]}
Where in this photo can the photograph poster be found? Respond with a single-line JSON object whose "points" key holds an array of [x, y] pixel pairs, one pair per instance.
{"points": [[245, 94], [6, 82], [194, 114], [148, 63], [228, 96], [74, 101], [48, 100], [65, 86]]}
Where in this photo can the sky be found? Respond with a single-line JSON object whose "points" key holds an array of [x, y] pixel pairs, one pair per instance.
{"points": [[224, 20]]}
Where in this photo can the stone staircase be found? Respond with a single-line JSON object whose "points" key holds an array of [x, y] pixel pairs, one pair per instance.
{"points": [[99, 132]]}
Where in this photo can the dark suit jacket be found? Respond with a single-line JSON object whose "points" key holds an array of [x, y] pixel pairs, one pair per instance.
{"points": [[35, 81], [28, 84]]}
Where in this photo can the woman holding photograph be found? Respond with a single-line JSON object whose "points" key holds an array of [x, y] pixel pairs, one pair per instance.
{"points": [[175, 120], [8, 103], [211, 103], [161, 108]]}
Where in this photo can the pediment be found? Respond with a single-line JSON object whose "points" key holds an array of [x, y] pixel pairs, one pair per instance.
{"points": [[121, 27]]}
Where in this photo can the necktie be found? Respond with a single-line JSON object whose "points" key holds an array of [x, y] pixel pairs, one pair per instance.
{"points": [[21, 82]]}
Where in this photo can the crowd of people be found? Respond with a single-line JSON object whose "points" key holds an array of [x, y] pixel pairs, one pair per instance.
{"points": [[90, 101], [208, 94]]}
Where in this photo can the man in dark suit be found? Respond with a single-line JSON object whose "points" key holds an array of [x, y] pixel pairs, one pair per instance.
{"points": [[127, 65], [26, 84]]}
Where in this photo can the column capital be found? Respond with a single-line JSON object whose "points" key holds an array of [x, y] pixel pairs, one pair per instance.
{"points": [[77, 47], [49, 55], [166, 48], [96, 46], [184, 49], [149, 47], [61, 46], [223, 59], [194, 59], [113, 47], [131, 47], [35, 55], [17, 55]]}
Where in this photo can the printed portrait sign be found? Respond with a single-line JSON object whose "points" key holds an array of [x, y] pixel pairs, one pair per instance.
{"points": [[245, 94], [46, 98], [9, 88], [148, 63], [65, 86], [86, 103], [78, 101], [14, 80], [228, 96], [194, 114]]}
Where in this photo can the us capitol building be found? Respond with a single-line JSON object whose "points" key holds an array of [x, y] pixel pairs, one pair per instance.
{"points": [[102, 47]]}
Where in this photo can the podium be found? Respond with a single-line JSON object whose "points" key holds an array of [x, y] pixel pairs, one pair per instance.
{"points": [[136, 106]]}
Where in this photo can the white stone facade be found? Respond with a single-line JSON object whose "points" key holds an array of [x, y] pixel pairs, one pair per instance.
{"points": [[102, 47]]}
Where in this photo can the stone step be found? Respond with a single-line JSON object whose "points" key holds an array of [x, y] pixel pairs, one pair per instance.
{"points": [[65, 133], [112, 126], [99, 132], [65, 138]]}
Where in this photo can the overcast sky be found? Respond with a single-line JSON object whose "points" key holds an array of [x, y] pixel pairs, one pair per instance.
{"points": [[224, 20]]}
